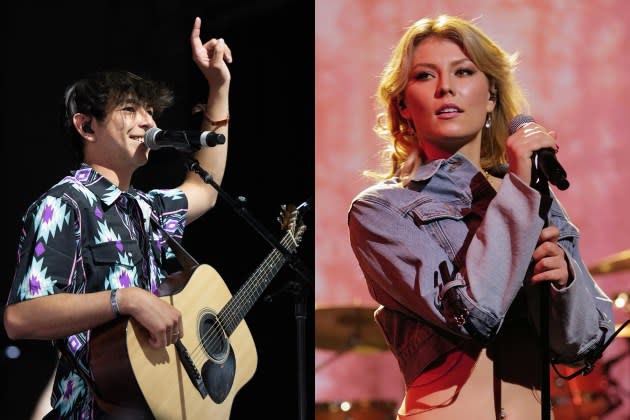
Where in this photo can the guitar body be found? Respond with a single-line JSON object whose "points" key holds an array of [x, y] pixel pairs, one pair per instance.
{"points": [[130, 375]]}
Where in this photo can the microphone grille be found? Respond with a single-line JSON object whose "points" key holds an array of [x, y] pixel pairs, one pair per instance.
{"points": [[518, 121], [149, 136]]}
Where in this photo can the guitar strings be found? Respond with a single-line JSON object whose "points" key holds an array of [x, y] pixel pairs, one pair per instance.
{"points": [[215, 335]]}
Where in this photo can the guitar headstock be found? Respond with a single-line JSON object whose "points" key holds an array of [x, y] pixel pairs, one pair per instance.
{"points": [[291, 221]]}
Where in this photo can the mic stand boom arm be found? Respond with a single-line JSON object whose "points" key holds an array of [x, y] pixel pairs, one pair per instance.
{"points": [[239, 207], [300, 289]]}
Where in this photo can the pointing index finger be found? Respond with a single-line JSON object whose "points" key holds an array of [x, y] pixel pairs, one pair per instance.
{"points": [[196, 31]]}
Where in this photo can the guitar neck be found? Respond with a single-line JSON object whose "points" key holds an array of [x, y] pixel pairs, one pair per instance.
{"points": [[243, 300]]}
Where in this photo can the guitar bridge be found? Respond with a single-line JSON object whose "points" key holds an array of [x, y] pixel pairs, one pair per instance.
{"points": [[191, 370]]}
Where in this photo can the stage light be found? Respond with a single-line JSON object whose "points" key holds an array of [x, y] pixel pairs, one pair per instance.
{"points": [[621, 301]]}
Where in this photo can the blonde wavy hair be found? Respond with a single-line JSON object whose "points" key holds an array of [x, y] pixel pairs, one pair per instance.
{"points": [[402, 153]]}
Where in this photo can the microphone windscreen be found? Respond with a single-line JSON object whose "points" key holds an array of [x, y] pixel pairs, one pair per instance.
{"points": [[149, 136], [518, 121]]}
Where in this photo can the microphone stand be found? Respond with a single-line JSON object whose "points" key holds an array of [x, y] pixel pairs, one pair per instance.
{"points": [[301, 296], [542, 185], [298, 288]]}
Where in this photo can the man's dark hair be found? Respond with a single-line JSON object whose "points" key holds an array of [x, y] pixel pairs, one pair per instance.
{"points": [[101, 92]]}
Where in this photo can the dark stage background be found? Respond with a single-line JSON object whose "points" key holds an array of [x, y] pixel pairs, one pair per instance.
{"points": [[270, 161]]}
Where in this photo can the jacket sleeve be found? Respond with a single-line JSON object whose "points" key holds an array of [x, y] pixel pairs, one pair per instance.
{"points": [[581, 318]]}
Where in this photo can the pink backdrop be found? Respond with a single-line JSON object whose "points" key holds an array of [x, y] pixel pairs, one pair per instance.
{"points": [[574, 67]]}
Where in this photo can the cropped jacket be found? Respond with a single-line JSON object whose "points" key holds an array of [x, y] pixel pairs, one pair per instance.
{"points": [[446, 256]]}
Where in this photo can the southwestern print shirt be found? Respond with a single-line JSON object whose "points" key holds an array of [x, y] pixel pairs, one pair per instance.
{"points": [[86, 235]]}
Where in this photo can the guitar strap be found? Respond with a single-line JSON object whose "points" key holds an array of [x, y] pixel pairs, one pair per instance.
{"points": [[183, 257]]}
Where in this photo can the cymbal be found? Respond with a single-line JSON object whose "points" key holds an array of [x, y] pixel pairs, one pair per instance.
{"points": [[612, 263], [348, 328]]}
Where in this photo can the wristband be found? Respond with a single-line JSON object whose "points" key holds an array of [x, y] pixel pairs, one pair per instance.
{"points": [[113, 300], [218, 123]]}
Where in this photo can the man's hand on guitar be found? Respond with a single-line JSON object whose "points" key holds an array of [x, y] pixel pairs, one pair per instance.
{"points": [[162, 321]]}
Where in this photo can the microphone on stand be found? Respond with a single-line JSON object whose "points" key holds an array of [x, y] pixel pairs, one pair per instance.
{"points": [[182, 140], [546, 158]]}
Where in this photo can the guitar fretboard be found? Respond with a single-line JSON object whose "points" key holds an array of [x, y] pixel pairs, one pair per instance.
{"points": [[240, 304]]}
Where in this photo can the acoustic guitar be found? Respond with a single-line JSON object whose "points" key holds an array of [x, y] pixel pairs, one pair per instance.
{"points": [[199, 376]]}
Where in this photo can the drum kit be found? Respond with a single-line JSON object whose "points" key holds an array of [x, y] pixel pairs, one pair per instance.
{"points": [[345, 329], [352, 328], [590, 396]]}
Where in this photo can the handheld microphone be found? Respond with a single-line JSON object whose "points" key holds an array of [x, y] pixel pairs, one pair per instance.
{"points": [[182, 140], [547, 162]]}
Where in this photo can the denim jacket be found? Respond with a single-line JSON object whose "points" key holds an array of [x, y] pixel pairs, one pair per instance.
{"points": [[446, 257]]}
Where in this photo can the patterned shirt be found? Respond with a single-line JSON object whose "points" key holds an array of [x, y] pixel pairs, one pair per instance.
{"points": [[85, 235]]}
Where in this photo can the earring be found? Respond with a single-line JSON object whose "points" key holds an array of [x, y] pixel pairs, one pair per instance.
{"points": [[488, 121]]}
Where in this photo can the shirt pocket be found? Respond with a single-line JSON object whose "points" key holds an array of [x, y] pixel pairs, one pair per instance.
{"points": [[116, 264], [449, 224]]}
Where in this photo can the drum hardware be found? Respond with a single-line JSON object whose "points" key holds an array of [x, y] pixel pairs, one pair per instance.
{"points": [[583, 397], [345, 329], [612, 264], [584, 393], [348, 328], [356, 410], [625, 332]]}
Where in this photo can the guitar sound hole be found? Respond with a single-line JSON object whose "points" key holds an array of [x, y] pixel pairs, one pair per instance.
{"points": [[213, 338]]}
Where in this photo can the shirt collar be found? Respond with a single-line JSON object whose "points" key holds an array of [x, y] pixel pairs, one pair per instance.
{"points": [[100, 186]]}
